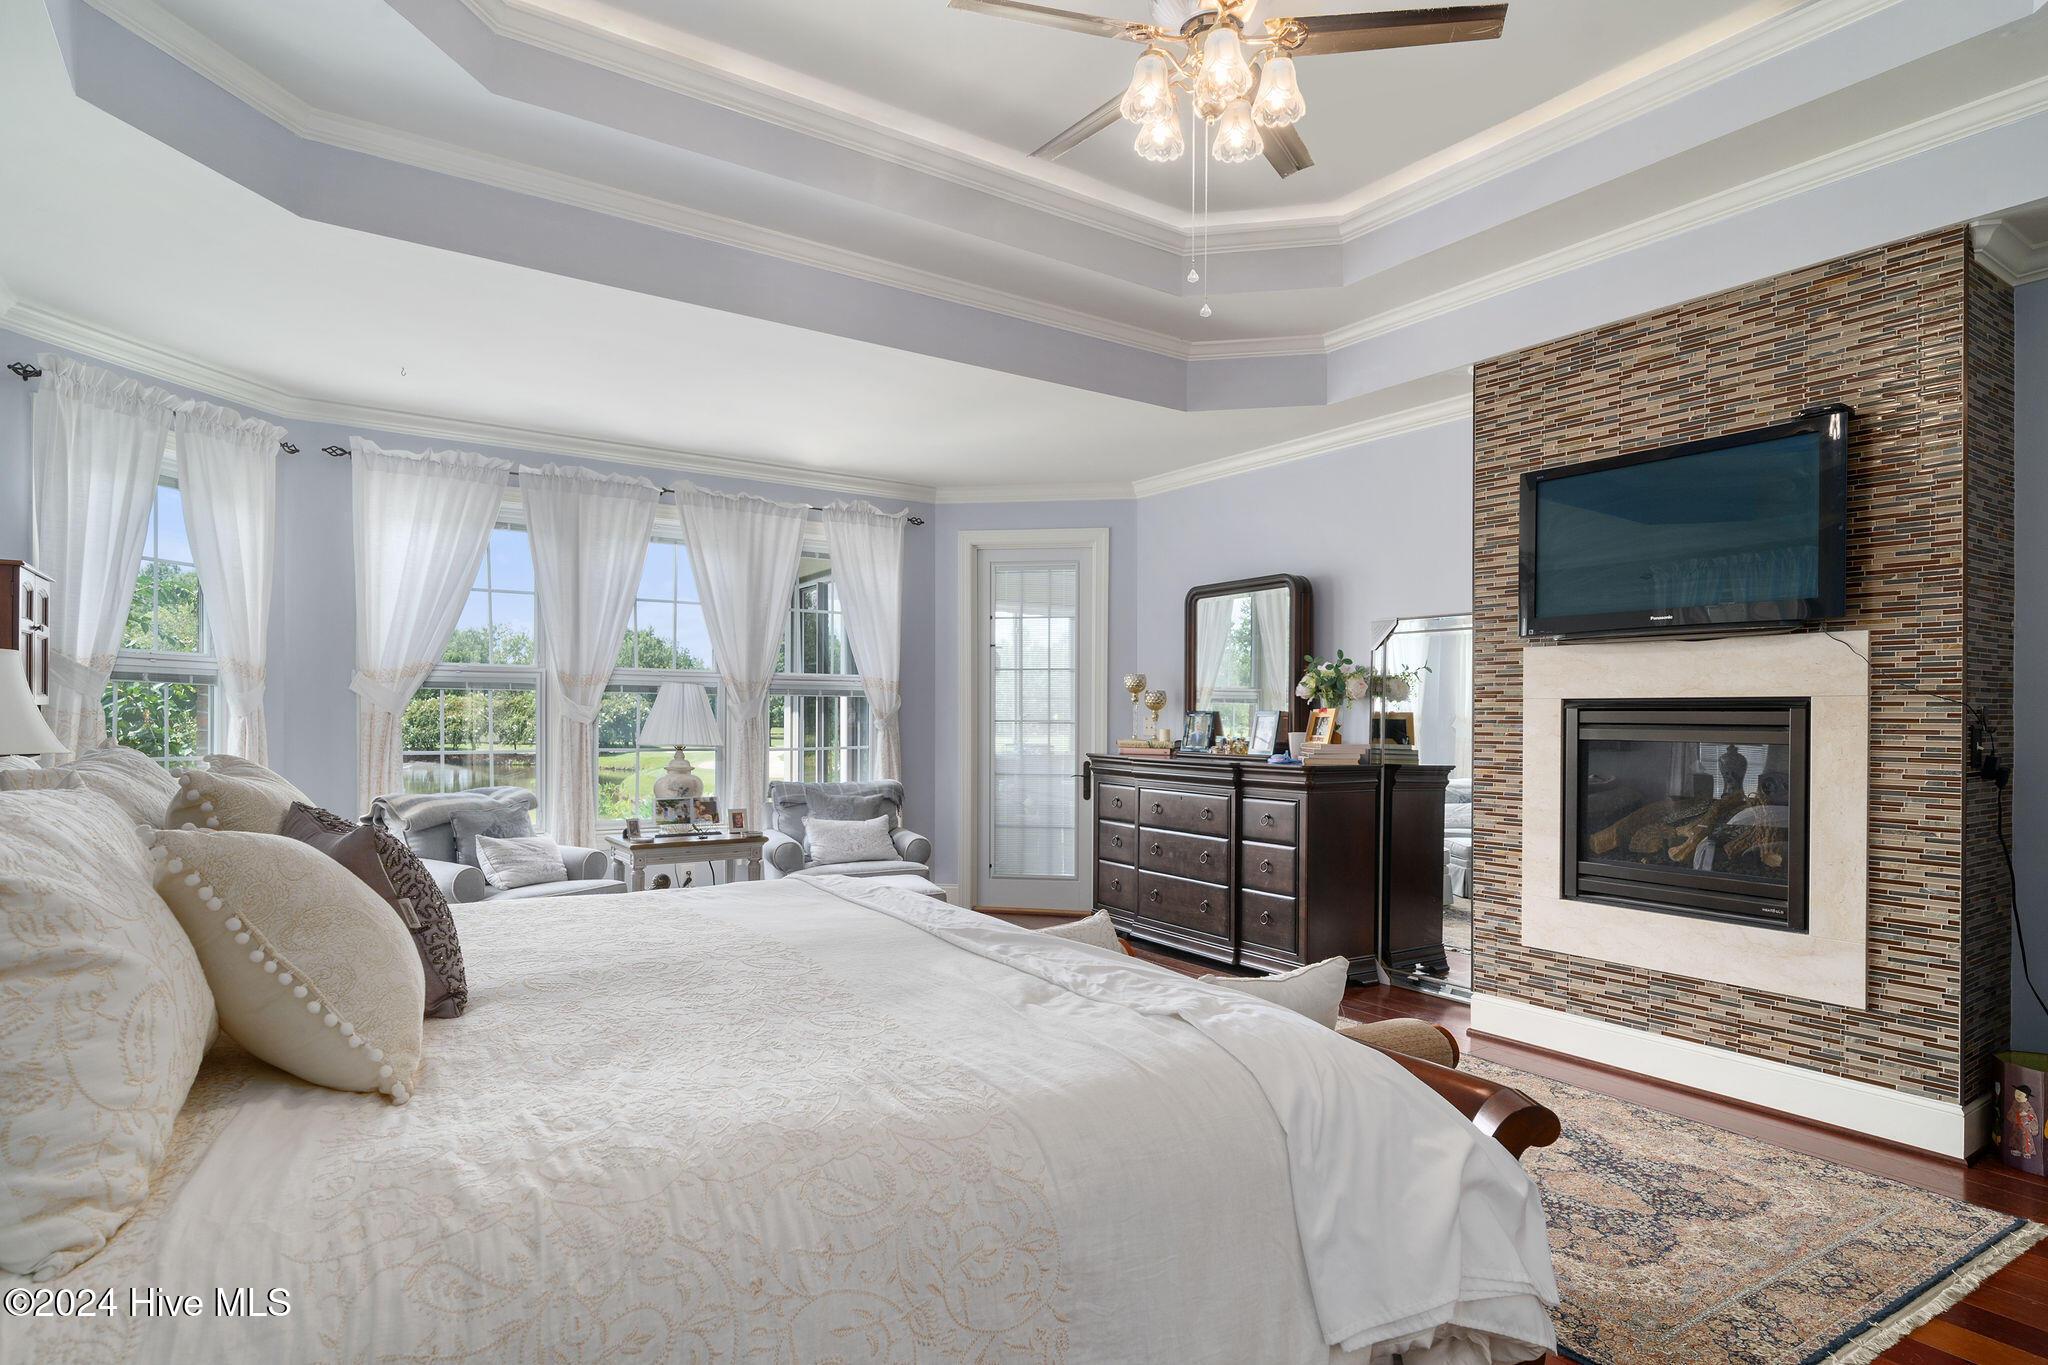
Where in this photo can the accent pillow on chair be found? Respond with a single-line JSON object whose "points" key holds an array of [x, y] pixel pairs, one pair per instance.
{"points": [[251, 801], [382, 862], [1316, 990], [495, 819], [103, 1021], [849, 841], [510, 863], [311, 971]]}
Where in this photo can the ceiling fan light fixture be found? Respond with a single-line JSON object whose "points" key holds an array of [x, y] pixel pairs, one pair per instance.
{"points": [[1161, 139], [1237, 134], [1279, 103], [1151, 89], [1225, 74]]}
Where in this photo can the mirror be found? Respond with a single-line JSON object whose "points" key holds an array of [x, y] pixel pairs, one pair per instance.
{"points": [[1433, 724], [1245, 642]]}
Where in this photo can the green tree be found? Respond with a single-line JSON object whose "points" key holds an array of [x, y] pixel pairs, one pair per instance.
{"points": [[165, 612]]}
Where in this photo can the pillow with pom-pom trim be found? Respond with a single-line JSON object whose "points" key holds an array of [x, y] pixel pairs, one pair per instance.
{"points": [[249, 802]]}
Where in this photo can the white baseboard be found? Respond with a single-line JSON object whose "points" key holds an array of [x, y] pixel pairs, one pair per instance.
{"points": [[1938, 1126]]}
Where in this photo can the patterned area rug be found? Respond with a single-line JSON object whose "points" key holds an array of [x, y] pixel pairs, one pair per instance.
{"points": [[1676, 1242]]}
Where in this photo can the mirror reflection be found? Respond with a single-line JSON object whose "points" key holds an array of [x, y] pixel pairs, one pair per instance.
{"points": [[1243, 655], [1433, 724]]}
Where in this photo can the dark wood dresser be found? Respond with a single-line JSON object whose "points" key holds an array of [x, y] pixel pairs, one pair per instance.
{"points": [[1240, 862], [25, 622]]}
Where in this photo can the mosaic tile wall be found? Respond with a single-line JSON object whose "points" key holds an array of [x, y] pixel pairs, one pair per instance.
{"points": [[1886, 331]]}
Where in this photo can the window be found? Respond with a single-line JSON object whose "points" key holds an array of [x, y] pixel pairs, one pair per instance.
{"points": [[475, 722], [160, 699], [667, 630], [625, 771], [666, 641], [819, 725]]}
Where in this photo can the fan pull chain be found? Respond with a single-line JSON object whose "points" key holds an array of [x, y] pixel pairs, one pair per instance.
{"points": [[1207, 311], [1194, 169]]}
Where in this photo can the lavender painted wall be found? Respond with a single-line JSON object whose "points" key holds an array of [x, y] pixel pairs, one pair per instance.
{"points": [[2030, 656], [312, 617]]}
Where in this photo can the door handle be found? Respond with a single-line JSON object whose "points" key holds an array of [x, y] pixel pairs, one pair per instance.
{"points": [[1088, 780]]}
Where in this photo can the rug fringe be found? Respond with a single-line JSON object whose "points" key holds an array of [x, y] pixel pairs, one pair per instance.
{"points": [[1938, 1300]]}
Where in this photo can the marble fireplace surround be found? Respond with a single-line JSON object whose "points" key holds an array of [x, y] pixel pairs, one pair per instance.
{"points": [[1828, 962]]}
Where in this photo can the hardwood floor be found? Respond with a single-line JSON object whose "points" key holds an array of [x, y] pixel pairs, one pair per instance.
{"points": [[2004, 1322]]}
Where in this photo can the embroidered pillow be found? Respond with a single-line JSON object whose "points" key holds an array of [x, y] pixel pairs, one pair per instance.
{"points": [[132, 781], [382, 862], [498, 819], [248, 802], [103, 1019], [1096, 930], [1315, 990], [848, 841], [508, 863], [310, 970]]}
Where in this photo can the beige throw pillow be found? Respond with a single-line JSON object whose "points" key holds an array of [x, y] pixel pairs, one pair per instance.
{"points": [[849, 841], [1316, 990], [312, 972], [104, 1015], [40, 780], [135, 782], [1096, 930], [509, 863], [252, 801]]}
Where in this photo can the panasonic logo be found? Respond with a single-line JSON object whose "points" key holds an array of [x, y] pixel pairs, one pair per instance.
{"points": [[1667, 616]]}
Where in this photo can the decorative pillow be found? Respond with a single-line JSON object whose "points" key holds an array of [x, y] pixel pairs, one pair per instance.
{"points": [[234, 765], [1096, 930], [384, 864], [507, 863], [243, 802], [103, 1019], [16, 763], [40, 780], [498, 819], [1315, 990], [848, 841], [132, 781], [311, 971]]}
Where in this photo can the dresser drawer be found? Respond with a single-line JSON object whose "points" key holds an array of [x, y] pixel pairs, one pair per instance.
{"points": [[1273, 821], [1116, 886], [1267, 920], [1194, 856], [1115, 801], [1266, 867], [1116, 842], [1189, 905], [1191, 812]]}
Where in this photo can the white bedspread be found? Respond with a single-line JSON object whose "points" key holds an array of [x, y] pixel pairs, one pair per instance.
{"points": [[809, 1123]]}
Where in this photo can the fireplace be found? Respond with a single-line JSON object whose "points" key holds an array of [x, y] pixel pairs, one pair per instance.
{"points": [[1688, 807]]}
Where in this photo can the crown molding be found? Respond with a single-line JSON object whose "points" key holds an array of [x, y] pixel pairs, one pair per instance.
{"points": [[1423, 415], [2007, 251], [955, 494], [230, 386]]}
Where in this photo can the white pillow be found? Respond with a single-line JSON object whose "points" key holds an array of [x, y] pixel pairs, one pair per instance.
{"points": [[134, 782], [40, 780], [1096, 930], [1315, 990], [102, 1024], [312, 971], [531, 861], [849, 841], [251, 799]]}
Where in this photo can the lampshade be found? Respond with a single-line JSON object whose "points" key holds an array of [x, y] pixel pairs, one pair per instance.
{"points": [[1237, 136], [1279, 103], [1161, 140], [1225, 74], [680, 718], [1151, 90], [22, 728]]}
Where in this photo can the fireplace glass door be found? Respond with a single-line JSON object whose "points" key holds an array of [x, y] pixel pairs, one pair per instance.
{"points": [[1689, 807]]}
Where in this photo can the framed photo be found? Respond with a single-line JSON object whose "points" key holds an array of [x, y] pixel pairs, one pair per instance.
{"points": [[736, 820], [1322, 725], [1265, 733], [1394, 727], [703, 810], [1198, 731], [671, 812]]}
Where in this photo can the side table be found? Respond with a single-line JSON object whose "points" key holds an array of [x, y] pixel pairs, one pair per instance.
{"points": [[649, 863]]}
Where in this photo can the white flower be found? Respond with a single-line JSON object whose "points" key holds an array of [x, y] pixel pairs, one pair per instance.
{"points": [[1397, 689], [1303, 690], [1354, 687]]}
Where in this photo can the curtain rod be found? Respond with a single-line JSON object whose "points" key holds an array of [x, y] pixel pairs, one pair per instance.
{"points": [[24, 371]]}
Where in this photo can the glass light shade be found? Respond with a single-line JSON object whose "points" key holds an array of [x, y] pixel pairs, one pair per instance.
{"points": [[1209, 106], [1279, 102], [1225, 73], [1237, 135], [1151, 91], [1161, 140]]}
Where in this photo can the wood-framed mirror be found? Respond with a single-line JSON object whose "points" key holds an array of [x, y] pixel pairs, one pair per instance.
{"points": [[1245, 644]]}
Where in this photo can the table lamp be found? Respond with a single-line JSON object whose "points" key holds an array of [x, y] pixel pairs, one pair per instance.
{"points": [[22, 727], [681, 717]]}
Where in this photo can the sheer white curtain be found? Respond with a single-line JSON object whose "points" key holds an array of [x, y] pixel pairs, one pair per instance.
{"points": [[98, 444], [422, 524], [589, 534], [867, 564], [1213, 619], [744, 551], [227, 470], [1273, 672]]}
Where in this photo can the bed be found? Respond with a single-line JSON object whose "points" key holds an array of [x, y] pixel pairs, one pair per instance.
{"points": [[807, 1121]]}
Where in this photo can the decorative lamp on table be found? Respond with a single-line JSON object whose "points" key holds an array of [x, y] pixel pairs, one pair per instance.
{"points": [[22, 727], [680, 717]]}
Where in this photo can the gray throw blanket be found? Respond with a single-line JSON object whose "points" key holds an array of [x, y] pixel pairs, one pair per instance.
{"points": [[428, 809]]}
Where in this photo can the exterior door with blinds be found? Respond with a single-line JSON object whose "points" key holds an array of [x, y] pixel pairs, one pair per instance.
{"points": [[1036, 841]]}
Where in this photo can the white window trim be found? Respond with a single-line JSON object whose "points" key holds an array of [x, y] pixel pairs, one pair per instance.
{"points": [[163, 665]]}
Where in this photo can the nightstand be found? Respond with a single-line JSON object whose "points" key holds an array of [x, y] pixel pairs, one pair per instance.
{"points": [[649, 862]]}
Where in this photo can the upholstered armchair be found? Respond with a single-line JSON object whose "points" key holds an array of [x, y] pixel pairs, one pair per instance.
{"points": [[427, 826], [789, 803]]}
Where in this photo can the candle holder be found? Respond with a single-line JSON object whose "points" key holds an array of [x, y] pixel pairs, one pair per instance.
{"points": [[1134, 683], [1155, 702]]}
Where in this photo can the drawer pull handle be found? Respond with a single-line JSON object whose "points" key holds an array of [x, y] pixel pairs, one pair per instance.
{"points": [[1117, 801], [1155, 848], [1205, 857], [1265, 864], [1116, 841], [1208, 814], [1205, 907], [1158, 809], [1267, 820], [1116, 883], [1265, 916], [1154, 893]]}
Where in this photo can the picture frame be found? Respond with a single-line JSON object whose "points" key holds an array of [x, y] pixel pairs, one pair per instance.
{"points": [[736, 820], [671, 813], [1322, 725], [1198, 731], [1394, 727], [704, 810], [1265, 737]]}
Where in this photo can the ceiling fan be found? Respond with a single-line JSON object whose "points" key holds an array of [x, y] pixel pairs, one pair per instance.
{"points": [[1205, 48]]}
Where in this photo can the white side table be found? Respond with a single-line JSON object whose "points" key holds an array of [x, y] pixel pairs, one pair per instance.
{"points": [[650, 863]]}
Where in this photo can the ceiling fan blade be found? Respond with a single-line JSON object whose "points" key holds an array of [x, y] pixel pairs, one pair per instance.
{"points": [[1081, 131], [1327, 33], [1055, 18], [1286, 150]]}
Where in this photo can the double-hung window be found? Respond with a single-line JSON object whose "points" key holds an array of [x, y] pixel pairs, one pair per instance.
{"points": [[819, 725], [666, 641], [161, 698]]}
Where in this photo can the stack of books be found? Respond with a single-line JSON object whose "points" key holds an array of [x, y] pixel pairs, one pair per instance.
{"points": [[1144, 748], [1399, 753], [1334, 755]]}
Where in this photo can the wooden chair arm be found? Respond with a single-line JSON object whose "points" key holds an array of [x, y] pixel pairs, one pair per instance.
{"points": [[1501, 1112]]}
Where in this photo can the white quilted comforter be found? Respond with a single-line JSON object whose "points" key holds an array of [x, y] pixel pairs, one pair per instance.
{"points": [[815, 1122]]}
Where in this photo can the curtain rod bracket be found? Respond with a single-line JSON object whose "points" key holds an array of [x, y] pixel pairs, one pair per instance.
{"points": [[24, 371], [336, 451], [287, 447]]}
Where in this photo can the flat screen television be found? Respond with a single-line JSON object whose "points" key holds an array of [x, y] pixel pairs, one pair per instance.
{"points": [[1728, 533]]}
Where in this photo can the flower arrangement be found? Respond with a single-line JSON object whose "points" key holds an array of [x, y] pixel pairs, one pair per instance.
{"points": [[1336, 683]]}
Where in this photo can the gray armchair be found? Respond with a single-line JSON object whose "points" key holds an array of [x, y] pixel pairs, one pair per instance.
{"points": [[790, 802], [426, 825]]}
